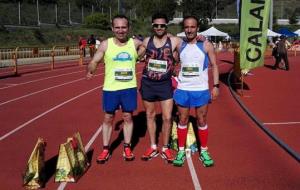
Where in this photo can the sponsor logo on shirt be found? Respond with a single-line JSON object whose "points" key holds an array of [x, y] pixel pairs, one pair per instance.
{"points": [[123, 56]]}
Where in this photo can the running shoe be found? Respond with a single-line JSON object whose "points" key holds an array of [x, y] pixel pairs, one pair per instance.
{"points": [[149, 154], [127, 154], [167, 155], [207, 161], [103, 156], [180, 157]]}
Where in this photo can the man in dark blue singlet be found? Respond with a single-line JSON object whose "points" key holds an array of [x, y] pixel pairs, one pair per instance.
{"points": [[156, 84]]}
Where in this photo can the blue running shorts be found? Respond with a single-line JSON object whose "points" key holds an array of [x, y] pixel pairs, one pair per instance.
{"points": [[126, 99], [190, 99]]}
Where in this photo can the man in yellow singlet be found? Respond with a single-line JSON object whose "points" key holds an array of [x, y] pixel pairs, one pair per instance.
{"points": [[120, 87]]}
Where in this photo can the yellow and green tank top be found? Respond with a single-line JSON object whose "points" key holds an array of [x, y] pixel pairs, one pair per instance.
{"points": [[120, 66]]}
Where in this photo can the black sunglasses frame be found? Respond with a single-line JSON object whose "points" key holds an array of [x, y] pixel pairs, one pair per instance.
{"points": [[159, 25]]}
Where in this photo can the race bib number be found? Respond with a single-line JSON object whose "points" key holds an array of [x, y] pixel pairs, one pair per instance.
{"points": [[190, 70], [123, 74], [157, 65]]}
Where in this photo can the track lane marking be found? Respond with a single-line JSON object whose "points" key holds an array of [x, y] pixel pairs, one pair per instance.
{"points": [[31, 66], [46, 89], [283, 123], [36, 92], [46, 112], [193, 174], [41, 79]]}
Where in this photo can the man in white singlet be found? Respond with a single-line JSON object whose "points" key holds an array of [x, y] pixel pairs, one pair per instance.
{"points": [[193, 88]]}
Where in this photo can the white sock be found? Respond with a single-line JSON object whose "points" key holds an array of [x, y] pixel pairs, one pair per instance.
{"points": [[154, 146], [164, 148], [203, 149]]}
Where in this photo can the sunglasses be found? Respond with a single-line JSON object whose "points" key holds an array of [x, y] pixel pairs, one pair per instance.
{"points": [[159, 25]]}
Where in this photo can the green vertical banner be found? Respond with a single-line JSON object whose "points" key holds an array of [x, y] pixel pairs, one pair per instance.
{"points": [[253, 33]]}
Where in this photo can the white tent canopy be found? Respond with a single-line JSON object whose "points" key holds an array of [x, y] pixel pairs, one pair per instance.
{"points": [[272, 34], [212, 31], [297, 32]]}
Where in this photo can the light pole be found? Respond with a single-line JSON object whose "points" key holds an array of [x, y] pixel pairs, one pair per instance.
{"points": [[271, 16], [216, 9], [38, 13], [19, 9]]}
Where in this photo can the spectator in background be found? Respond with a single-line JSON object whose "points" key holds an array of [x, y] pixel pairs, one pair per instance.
{"points": [[97, 43], [82, 44], [92, 43], [282, 47]]}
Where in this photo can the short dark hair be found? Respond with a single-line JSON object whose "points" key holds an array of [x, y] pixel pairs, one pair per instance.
{"points": [[160, 15], [282, 37], [119, 16], [190, 17]]}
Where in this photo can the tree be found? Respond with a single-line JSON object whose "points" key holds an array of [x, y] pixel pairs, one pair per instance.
{"points": [[97, 20], [145, 9], [199, 8], [293, 18]]}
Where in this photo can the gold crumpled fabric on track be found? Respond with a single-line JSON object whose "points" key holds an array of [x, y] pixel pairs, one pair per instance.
{"points": [[34, 177], [72, 161]]}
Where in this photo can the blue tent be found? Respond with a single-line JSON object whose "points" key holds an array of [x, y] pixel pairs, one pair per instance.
{"points": [[287, 32]]}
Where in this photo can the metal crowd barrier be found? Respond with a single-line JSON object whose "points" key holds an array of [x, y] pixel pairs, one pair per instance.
{"points": [[11, 57]]}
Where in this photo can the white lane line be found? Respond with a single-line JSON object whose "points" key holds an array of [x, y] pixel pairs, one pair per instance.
{"points": [[45, 65], [30, 94], [193, 174], [36, 92], [284, 123], [46, 112], [9, 84], [37, 73], [86, 148], [37, 80], [50, 70]]}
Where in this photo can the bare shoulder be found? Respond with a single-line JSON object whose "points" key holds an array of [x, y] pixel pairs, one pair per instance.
{"points": [[176, 40], [145, 41], [103, 45], [208, 45], [137, 42]]}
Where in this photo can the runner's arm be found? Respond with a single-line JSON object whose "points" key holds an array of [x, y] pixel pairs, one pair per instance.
{"points": [[215, 71], [142, 50], [96, 59], [177, 45]]}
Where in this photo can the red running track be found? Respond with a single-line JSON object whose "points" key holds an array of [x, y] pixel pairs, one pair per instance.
{"points": [[55, 104]]}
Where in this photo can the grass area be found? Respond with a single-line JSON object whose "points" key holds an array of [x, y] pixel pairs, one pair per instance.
{"points": [[46, 36], [63, 35], [67, 36]]}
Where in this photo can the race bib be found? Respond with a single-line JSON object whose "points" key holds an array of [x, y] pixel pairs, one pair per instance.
{"points": [[157, 65], [190, 70], [123, 74]]}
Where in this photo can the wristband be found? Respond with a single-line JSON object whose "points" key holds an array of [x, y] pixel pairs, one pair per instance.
{"points": [[216, 85]]}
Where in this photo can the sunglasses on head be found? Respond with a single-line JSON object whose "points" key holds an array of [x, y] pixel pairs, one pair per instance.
{"points": [[159, 25]]}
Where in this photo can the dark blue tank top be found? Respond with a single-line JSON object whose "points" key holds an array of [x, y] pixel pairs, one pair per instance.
{"points": [[159, 63]]}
